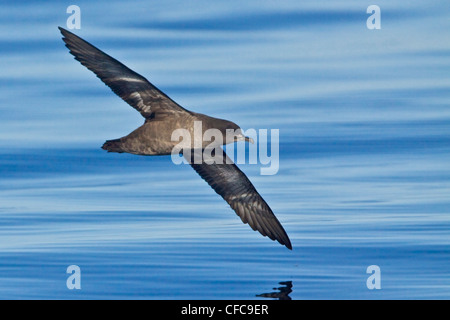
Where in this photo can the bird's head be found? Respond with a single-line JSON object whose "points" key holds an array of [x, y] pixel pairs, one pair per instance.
{"points": [[233, 133]]}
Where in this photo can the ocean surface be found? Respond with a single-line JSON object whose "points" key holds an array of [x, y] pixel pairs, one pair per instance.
{"points": [[364, 151]]}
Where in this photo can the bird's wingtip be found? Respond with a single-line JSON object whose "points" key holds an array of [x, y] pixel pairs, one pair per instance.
{"points": [[64, 32], [286, 243]]}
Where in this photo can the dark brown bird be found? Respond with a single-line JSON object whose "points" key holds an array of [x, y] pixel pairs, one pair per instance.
{"points": [[163, 116]]}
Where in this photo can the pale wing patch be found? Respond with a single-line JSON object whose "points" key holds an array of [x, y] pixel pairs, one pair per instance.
{"points": [[128, 79], [238, 196], [139, 102]]}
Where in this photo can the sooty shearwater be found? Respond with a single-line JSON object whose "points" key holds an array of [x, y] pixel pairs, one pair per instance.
{"points": [[163, 116]]}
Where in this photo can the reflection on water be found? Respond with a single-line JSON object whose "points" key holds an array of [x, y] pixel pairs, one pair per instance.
{"points": [[363, 177], [282, 293]]}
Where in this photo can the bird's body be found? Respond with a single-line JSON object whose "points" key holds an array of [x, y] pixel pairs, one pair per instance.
{"points": [[154, 137], [163, 117]]}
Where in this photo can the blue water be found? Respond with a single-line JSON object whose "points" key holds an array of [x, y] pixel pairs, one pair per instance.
{"points": [[364, 174]]}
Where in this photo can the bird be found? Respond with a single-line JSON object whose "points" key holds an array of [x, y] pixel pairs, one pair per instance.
{"points": [[162, 116]]}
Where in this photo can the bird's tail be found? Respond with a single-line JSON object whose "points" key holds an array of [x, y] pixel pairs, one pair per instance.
{"points": [[113, 146]]}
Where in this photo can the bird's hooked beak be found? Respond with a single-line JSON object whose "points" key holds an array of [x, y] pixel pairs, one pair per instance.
{"points": [[249, 139], [241, 137]]}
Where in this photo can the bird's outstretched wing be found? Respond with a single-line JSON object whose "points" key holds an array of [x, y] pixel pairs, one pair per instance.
{"points": [[234, 186], [130, 86]]}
